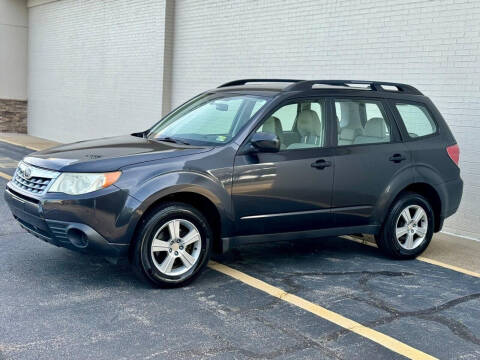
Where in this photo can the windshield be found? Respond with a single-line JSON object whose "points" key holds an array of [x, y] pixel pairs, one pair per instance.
{"points": [[209, 119]]}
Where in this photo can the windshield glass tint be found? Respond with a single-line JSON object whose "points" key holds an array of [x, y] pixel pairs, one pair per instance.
{"points": [[209, 119]]}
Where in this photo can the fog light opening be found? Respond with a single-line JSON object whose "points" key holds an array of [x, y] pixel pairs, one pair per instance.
{"points": [[77, 237]]}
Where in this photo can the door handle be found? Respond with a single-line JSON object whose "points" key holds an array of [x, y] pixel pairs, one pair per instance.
{"points": [[321, 164], [396, 158]]}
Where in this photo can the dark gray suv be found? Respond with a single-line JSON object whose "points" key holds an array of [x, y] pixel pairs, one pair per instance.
{"points": [[253, 160]]}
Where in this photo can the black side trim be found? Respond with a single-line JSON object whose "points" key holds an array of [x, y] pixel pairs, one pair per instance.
{"points": [[230, 242], [333, 210]]}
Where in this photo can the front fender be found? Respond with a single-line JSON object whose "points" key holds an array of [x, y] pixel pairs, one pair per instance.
{"points": [[163, 185]]}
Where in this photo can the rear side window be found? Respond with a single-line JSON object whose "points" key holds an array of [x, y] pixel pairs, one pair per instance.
{"points": [[361, 122], [417, 120]]}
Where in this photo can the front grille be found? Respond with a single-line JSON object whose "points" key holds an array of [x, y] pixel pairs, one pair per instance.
{"points": [[35, 185], [32, 179]]}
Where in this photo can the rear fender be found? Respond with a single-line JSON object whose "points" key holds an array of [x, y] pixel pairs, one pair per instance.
{"points": [[399, 182], [428, 176]]}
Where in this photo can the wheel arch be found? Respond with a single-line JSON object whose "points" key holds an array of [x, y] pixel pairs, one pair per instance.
{"points": [[203, 193], [426, 190]]}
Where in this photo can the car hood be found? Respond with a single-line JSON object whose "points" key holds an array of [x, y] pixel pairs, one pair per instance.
{"points": [[108, 154]]}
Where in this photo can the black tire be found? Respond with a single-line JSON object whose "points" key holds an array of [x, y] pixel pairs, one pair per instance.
{"points": [[142, 259], [387, 240]]}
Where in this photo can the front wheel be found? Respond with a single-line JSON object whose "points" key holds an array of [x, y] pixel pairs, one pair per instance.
{"points": [[408, 228], [172, 246]]}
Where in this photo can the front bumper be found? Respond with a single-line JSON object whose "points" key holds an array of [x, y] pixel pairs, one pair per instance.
{"points": [[62, 228]]}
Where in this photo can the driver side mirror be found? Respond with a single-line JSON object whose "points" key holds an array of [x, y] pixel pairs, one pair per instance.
{"points": [[265, 142]]}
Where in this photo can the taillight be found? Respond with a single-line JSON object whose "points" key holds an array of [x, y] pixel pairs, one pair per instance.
{"points": [[454, 153]]}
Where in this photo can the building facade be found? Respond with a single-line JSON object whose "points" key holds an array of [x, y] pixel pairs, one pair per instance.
{"points": [[99, 68], [13, 65]]}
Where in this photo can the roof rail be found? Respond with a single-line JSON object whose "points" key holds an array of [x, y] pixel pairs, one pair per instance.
{"points": [[374, 85], [244, 81]]}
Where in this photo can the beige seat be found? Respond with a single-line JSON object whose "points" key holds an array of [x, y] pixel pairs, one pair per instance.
{"points": [[348, 135], [273, 126], [310, 129], [375, 132]]}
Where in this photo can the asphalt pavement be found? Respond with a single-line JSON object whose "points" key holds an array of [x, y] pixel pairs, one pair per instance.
{"points": [[57, 304]]}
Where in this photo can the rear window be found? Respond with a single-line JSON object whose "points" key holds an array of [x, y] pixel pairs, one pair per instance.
{"points": [[417, 120]]}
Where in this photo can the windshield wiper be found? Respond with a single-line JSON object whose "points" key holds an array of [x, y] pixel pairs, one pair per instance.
{"points": [[172, 140]]}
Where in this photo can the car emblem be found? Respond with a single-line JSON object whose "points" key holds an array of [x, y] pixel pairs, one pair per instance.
{"points": [[27, 173]]}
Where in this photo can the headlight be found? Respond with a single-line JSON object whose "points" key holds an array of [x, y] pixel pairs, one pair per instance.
{"points": [[82, 183]]}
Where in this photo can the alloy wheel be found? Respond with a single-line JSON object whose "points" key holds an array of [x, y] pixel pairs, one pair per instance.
{"points": [[411, 227], [176, 247]]}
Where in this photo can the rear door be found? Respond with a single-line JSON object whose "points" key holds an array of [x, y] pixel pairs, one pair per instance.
{"points": [[368, 156]]}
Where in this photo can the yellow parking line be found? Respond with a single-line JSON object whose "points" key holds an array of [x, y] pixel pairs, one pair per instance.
{"points": [[360, 241], [421, 258], [5, 176], [8, 141], [448, 266], [373, 335], [6, 162]]}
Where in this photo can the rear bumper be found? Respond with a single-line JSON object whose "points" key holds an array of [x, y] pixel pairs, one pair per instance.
{"points": [[71, 235], [454, 189], [452, 195]]}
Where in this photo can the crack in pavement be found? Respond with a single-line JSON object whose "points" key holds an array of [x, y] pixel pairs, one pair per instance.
{"points": [[430, 314], [455, 326], [254, 314], [304, 344]]}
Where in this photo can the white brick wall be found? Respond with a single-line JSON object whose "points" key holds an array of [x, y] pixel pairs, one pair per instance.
{"points": [[13, 49], [95, 67], [433, 45]]}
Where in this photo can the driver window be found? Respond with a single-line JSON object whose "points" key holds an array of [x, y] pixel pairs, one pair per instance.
{"points": [[298, 125]]}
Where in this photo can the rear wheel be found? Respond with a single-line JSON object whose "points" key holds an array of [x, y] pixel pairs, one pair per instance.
{"points": [[408, 228], [173, 245]]}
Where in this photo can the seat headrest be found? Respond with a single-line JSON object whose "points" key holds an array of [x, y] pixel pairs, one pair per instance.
{"points": [[375, 127], [273, 125], [308, 123], [342, 122]]}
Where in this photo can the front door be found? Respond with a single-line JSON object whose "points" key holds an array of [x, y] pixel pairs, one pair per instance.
{"points": [[290, 190]]}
